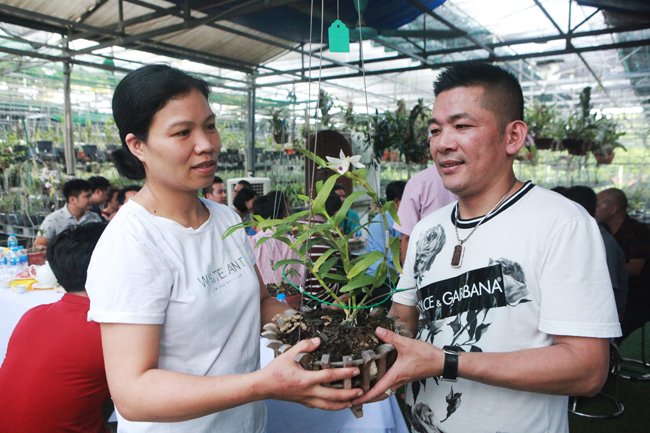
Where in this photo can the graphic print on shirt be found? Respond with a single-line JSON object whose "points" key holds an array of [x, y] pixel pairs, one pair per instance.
{"points": [[428, 246], [469, 297], [223, 276]]}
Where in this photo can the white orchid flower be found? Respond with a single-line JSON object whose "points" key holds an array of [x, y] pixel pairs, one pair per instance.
{"points": [[47, 185], [342, 164]]}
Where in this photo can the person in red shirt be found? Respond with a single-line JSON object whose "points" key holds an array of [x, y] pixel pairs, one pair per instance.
{"points": [[53, 378]]}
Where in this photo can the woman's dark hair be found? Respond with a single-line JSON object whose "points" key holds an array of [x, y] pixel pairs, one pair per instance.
{"points": [[395, 190], [137, 99], [242, 197], [333, 204], [69, 252]]}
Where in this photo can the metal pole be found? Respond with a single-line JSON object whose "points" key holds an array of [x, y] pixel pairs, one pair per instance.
{"points": [[250, 149], [68, 145]]}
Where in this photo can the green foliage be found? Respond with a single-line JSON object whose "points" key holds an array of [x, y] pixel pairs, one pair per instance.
{"points": [[543, 121]]}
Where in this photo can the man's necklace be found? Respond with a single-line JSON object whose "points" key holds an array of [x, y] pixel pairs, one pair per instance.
{"points": [[459, 251]]}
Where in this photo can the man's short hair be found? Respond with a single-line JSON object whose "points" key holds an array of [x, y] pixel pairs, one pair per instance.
{"points": [[503, 95], [208, 189], [74, 187], [245, 183], [242, 197], [333, 204], [111, 192], [338, 187], [69, 252], [266, 207], [121, 196], [615, 197], [583, 195], [395, 190], [280, 203], [99, 182]]}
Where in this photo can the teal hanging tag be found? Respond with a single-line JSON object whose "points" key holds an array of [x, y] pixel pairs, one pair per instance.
{"points": [[339, 36]]}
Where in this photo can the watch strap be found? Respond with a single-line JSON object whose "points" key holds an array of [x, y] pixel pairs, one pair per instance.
{"points": [[450, 368]]}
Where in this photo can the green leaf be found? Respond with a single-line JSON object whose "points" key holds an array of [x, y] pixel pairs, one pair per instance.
{"points": [[355, 283], [232, 229], [361, 172], [287, 262], [334, 278], [320, 161], [301, 240], [362, 265], [262, 240], [394, 244], [392, 210], [327, 266], [380, 274], [303, 197], [322, 259], [296, 216], [343, 212], [319, 204]]}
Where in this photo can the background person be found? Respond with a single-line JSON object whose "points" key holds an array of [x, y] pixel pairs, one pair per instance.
{"points": [[634, 239], [100, 186], [112, 204], [243, 206], [77, 193], [216, 192], [511, 280], [181, 307], [242, 184], [53, 379], [351, 221], [127, 193]]}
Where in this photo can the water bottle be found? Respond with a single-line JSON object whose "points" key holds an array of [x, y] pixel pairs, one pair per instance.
{"points": [[12, 264], [282, 298], [22, 258], [12, 241], [3, 266]]}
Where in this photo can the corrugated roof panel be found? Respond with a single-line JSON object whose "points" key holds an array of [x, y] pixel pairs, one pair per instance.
{"points": [[69, 9]]}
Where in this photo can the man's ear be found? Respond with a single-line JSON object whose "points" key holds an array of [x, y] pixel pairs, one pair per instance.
{"points": [[516, 133], [135, 146]]}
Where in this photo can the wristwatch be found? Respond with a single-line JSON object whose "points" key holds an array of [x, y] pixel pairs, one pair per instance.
{"points": [[450, 369]]}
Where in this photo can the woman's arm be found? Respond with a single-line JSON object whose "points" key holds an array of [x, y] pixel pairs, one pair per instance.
{"points": [[143, 392]]}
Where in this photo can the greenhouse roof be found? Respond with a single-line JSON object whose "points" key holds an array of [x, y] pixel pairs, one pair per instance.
{"points": [[556, 47]]}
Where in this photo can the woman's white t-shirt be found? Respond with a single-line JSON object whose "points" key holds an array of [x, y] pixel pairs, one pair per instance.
{"points": [[201, 288]]}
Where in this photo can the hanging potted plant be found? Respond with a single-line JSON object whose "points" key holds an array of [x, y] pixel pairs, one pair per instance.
{"points": [[580, 130], [606, 141], [278, 127], [346, 333], [543, 124]]}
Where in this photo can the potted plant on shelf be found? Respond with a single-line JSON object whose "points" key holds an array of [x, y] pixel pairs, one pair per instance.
{"points": [[580, 130], [606, 141], [346, 333], [543, 124]]}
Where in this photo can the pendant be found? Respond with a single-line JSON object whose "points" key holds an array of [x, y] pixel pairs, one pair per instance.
{"points": [[457, 258]]}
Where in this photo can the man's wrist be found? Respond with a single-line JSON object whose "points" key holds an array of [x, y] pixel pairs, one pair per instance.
{"points": [[450, 364]]}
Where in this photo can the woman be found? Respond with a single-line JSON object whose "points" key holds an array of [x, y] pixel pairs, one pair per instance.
{"points": [[112, 205], [180, 308], [243, 204]]}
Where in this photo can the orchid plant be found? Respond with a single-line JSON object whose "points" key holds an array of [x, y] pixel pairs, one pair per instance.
{"points": [[336, 266]]}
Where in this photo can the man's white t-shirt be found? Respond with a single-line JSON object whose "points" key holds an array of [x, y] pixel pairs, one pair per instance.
{"points": [[534, 269], [201, 288]]}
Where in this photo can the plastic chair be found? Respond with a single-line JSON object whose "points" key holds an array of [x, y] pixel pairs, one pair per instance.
{"points": [[643, 362], [615, 364]]}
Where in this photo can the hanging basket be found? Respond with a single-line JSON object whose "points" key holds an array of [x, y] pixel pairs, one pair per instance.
{"points": [[605, 159], [372, 363], [543, 143], [576, 146]]}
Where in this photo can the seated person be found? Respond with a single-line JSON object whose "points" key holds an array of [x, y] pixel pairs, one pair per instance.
{"points": [[351, 221], [243, 204], [100, 186], [112, 205], [242, 184], [377, 238], [272, 251], [127, 193], [280, 199], [53, 379], [77, 193], [586, 197], [216, 192]]}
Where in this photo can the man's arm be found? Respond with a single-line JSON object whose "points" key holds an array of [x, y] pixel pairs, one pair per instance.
{"points": [[572, 366], [403, 246], [634, 267], [41, 242]]}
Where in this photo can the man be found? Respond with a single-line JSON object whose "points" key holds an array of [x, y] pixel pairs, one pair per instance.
{"points": [[242, 184], [511, 279], [377, 239], [100, 186], [634, 239], [216, 192], [77, 193], [351, 221], [424, 193], [586, 197], [112, 205], [127, 193], [53, 377], [271, 251]]}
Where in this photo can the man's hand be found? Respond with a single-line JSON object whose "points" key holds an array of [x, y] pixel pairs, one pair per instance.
{"points": [[287, 380], [415, 360]]}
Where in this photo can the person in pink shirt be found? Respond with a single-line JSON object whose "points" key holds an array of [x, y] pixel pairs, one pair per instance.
{"points": [[423, 194], [272, 251]]}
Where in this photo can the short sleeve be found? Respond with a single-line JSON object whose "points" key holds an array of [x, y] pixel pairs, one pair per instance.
{"points": [[48, 227], [576, 292], [128, 282], [405, 294]]}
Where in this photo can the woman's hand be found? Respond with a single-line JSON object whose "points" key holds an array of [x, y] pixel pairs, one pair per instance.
{"points": [[284, 379]]}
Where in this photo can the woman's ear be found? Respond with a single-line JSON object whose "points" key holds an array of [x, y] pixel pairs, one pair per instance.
{"points": [[516, 136], [135, 146]]}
